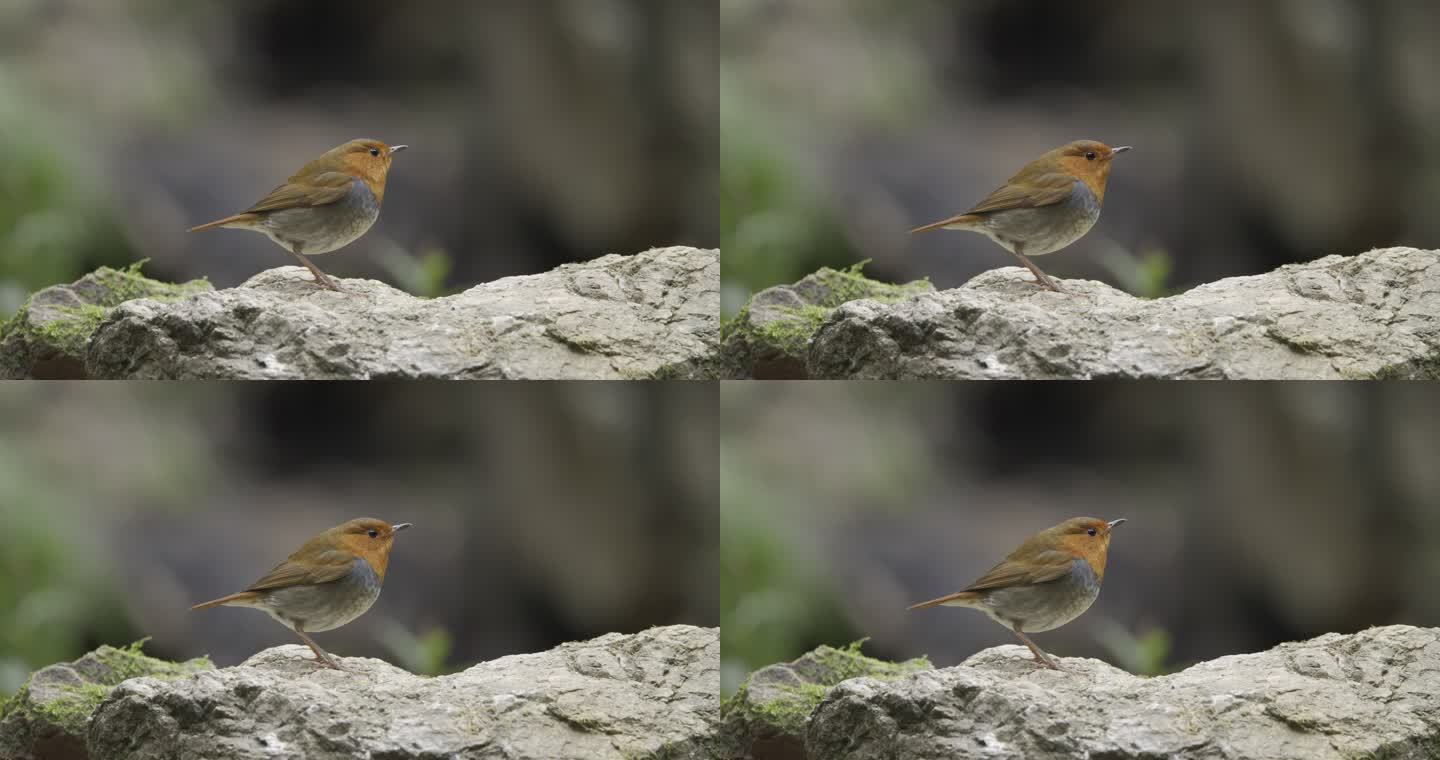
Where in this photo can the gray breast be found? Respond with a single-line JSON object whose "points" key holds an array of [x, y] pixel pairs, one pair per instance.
{"points": [[321, 607], [1044, 606], [322, 229]]}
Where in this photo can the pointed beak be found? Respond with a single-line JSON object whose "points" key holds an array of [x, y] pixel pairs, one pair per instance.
{"points": [[400, 526], [1113, 523], [397, 148], [1120, 149]]}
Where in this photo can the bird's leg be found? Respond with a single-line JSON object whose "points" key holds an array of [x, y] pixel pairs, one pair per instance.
{"points": [[1040, 657], [1040, 277], [320, 655], [321, 278]]}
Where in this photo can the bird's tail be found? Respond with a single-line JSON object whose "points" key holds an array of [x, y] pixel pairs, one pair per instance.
{"points": [[958, 599], [243, 596], [960, 220], [241, 219]]}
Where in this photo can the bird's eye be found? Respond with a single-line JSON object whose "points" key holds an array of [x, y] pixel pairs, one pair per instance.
{"points": [[373, 533], [374, 151], [1090, 157], [1091, 531]]}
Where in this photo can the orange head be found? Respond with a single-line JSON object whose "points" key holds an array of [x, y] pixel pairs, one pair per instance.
{"points": [[1086, 160], [364, 537], [1084, 537], [368, 160]]}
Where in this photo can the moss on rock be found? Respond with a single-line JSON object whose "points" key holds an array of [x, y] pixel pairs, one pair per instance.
{"points": [[48, 336], [768, 339], [773, 707], [54, 706]]}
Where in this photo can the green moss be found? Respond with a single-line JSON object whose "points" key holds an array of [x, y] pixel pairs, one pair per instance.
{"points": [[827, 667], [792, 332], [110, 288], [850, 284], [72, 708], [842, 664], [789, 330]]}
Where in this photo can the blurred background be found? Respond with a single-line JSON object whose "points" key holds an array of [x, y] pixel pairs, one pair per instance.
{"points": [[541, 132], [543, 513], [1257, 514], [1265, 132]]}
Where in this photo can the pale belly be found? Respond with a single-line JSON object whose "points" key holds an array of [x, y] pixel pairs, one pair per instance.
{"points": [[322, 229], [1044, 606], [328, 605], [1047, 229]]}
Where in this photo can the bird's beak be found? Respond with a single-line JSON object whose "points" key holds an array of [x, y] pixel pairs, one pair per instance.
{"points": [[1113, 523], [403, 526], [397, 148], [1120, 149]]}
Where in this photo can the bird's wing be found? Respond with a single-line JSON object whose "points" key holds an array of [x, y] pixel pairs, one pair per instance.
{"points": [[319, 190], [1043, 190], [324, 567], [1046, 565]]}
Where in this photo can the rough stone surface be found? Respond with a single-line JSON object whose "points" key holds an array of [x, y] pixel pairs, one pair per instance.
{"points": [[653, 694], [652, 315], [1373, 694], [46, 340], [769, 339], [1376, 315], [767, 717], [50, 716]]}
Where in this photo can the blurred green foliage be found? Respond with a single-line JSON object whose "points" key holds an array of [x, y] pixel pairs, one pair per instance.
{"points": [[774, 602], [55, 601], [1146, 275], [423, 654], [423, 275], [1144, 654], [55, 224], [775, 226]]}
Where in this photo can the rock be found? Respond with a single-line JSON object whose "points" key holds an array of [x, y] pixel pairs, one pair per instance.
{"points": [[767, 717], [652, 315], [1370, 694], [653, 694], [50, 716], [770, 337], [1376, 315], [46, 340]]}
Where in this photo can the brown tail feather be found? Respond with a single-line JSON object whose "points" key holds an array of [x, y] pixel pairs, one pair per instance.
{"points": [[225, 221], [943, 223], [224, 600], [966, 596]]}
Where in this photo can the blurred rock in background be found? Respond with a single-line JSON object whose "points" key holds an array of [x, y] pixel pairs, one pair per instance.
{"points": [[543, 513], [541, 132], [1264, 133], [1257, 514]]}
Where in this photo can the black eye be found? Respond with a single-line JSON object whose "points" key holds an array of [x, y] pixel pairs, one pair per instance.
{"points": [[376, 152], [374, 533], [1090, 157], [1091, 531]]}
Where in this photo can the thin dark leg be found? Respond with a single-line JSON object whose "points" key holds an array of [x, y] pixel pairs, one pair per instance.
{"points": [[320, 656], [321, 278], [1040, 657], [1040, 277]]}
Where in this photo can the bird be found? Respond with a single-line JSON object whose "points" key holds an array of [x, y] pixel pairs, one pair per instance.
{"points": [[1048, 581], [325, 206], [1049, 204], [328, 582]]}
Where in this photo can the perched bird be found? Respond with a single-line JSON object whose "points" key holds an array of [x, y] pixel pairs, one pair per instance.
{"points": [[1044, 584], [1047, 205], [331, 580], [326, 205]]}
